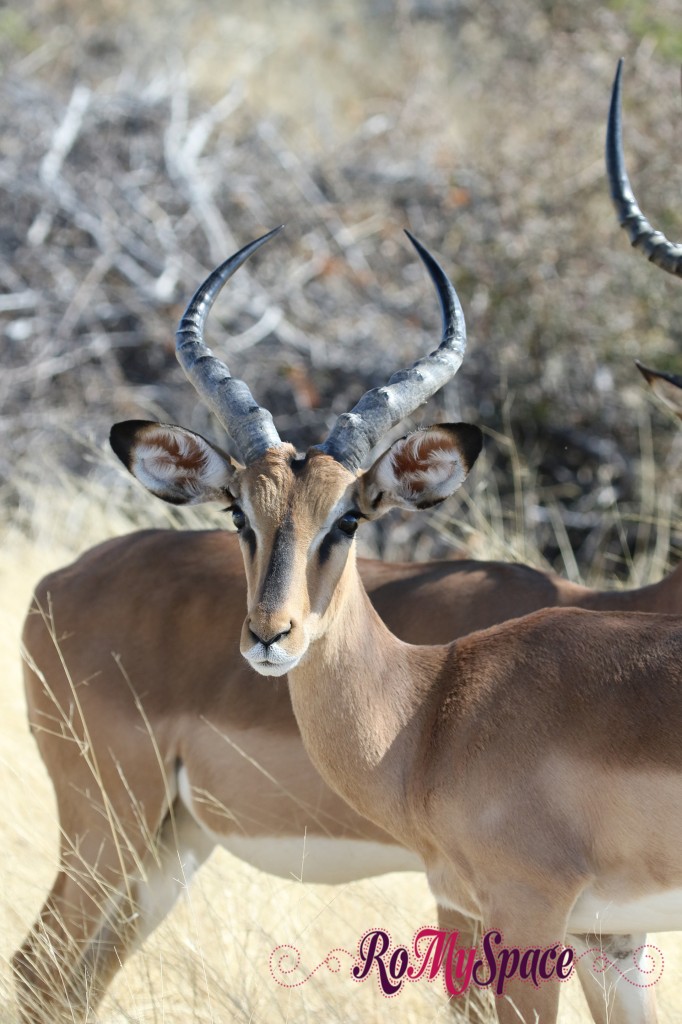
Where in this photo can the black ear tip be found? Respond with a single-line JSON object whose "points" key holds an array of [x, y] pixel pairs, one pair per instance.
{"points": [[472, 438], [120, 441], [469, 438], [121, 438]]}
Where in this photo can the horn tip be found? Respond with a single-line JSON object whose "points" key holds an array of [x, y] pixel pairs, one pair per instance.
{"points": [[415, 242], [271, 233]]}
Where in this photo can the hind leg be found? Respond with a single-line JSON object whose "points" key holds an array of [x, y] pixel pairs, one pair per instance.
{"points": [[621, 993], [181, 849], [52, 984], [105, 844]]}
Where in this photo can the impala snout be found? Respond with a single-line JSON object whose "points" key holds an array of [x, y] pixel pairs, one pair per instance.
{"points": [[272, 646], [267, 642]]}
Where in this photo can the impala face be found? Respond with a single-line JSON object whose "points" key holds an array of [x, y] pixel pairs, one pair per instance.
{"points": [[296, 517]]}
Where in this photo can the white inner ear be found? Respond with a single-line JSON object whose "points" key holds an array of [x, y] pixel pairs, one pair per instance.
{"points": [[170, 461], [414, 471]]}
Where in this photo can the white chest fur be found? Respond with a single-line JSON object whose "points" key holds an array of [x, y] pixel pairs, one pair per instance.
{"points": [[321, 858]]}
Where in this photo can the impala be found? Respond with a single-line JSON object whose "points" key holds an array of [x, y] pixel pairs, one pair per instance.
{"points": [[534, 768], [122, 698]]}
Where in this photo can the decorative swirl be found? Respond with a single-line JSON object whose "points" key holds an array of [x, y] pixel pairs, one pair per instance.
{"points": [[280, 964], [602, 963]]}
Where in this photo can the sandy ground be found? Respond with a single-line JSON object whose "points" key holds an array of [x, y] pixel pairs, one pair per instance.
{"points": [[209, 960]]}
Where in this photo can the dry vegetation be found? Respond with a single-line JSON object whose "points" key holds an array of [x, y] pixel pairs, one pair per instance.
{"points": [[138, 149]]}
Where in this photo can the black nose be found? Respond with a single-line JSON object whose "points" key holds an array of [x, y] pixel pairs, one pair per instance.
{"points": [[270, 640]]}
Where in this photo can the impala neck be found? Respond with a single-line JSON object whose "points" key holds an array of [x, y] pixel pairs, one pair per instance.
{"points": [[359, 698]]}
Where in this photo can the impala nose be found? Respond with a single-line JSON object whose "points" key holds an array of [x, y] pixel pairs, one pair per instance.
{"points": [[270, 640]]}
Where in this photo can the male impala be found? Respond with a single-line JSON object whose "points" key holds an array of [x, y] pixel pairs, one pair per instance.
{"points": [[143, 596], [117, 731], [534, 767]]}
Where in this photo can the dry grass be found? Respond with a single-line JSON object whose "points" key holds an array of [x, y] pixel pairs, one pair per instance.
{"points": [[138, 149]]}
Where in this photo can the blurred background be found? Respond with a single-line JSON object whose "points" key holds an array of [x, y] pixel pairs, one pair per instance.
{"points": [[142, 143]]}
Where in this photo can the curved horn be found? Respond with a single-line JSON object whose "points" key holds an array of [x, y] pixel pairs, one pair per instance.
{"points": [[654, 244], [251, 428], [356, 432]]}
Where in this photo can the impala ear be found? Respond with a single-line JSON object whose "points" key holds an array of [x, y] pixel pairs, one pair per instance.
{"points": [[173, 463], [420, 470]]}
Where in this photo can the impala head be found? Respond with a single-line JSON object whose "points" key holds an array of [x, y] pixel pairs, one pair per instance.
{"points": [[296, 514]]}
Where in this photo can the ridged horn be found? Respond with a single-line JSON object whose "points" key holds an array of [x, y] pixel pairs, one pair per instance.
{"points": [[653, 243], [356, 432], [251, 428]]}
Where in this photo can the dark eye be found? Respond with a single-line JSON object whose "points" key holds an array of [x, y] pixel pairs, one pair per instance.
{"points": [[238, 517], [348, 523]]}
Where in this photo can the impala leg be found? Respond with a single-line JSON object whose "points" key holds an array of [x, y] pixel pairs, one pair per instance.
{"points": [[621, 993], [524, 1004], [468, 1006], [85, 933], [182, 848], [53, 983], [527, 919], [103, 852]]}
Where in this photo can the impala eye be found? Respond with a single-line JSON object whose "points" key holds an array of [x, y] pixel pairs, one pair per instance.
{"points": [[348, 523], [238, 518]]}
